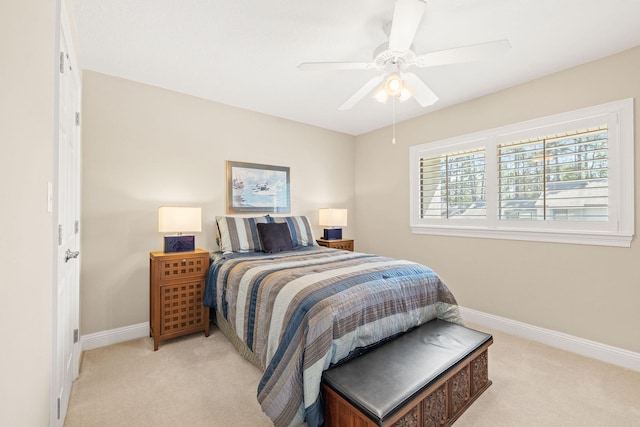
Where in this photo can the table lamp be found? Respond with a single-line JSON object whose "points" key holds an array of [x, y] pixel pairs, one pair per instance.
{"points": [[175, 219], [333, 219]]}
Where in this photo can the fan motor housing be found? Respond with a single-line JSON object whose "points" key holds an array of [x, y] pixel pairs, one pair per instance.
{"points": [[385, 59]]}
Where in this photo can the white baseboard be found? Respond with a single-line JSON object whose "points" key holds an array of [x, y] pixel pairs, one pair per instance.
{"points": [[595, 350], [114, 336]]}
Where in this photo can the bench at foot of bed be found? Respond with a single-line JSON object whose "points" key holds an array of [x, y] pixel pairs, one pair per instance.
{"points": [[426, 377]]}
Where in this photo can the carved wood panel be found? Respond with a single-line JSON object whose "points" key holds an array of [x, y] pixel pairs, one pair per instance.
{"points": [[459, 390], [434, 408], [479, 372], [410, 419]]}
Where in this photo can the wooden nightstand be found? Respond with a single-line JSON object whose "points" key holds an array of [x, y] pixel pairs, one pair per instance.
{"points": [[344, 244], [176, 288]]}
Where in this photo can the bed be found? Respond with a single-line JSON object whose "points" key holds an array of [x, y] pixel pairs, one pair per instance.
{"points": [[294, 308]]}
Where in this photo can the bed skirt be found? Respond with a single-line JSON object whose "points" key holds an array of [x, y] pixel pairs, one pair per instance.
{"points": [[242, 348]]}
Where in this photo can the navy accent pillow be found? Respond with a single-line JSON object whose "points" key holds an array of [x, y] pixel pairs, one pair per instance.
{"points": [[300, 229], [275, 237]]}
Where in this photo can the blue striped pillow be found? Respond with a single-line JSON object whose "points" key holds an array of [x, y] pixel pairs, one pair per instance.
{"points": [[299, 227], [238, 234]]}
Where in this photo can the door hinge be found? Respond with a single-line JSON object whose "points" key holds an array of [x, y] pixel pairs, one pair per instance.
{"points": [[58, 408], [59, 234], [62, 62], [76, 226], [77, 118], [75, 336]]}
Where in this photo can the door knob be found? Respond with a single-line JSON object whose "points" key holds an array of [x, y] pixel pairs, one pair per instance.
{"points": [[69, 255]]}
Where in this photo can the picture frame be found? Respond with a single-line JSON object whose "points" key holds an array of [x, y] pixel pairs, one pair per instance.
{"points": [[253, 187]]}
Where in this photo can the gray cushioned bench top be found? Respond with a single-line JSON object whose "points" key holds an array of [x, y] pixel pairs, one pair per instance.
{"points": [[382, 379]]}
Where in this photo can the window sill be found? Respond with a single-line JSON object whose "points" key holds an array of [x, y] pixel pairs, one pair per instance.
{"points": [[553, 236]]}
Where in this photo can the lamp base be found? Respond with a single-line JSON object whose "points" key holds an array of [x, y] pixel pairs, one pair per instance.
{"points": [[332, 233], [179, 243]]}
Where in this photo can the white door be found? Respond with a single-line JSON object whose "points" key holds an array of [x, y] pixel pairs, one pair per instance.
{"points": [[67, 188]]}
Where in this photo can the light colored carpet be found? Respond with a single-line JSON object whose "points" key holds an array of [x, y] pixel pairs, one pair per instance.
{"points": [[198, 381]]}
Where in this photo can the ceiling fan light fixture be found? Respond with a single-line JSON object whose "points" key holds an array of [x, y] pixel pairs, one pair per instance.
{"points": [[393, 85], [405, 93], [381, 95]]}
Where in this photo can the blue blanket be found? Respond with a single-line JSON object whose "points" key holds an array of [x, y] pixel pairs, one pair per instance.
{"points": [[301, 311]]}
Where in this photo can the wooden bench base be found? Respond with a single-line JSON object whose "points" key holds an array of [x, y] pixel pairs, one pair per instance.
{"points": [[439, 404]]}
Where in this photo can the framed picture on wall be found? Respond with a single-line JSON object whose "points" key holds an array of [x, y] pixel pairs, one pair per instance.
{"points": [[253, 187]]}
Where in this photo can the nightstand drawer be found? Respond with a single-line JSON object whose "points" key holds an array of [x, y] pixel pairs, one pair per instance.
{"points": [[181, 306], [178, 268], [343, 244]]}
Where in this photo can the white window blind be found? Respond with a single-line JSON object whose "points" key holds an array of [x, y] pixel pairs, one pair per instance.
{"points": [[453, 185], [566, 178], [560, 177]]}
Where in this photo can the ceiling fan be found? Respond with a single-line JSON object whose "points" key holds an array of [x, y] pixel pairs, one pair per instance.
{"points": [[395, 57]]}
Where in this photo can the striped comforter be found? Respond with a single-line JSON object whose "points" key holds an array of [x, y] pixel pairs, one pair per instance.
{"points": [[301, 311]]}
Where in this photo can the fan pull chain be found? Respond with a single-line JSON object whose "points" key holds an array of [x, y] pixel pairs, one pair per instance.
{"points": [[393, 140]]}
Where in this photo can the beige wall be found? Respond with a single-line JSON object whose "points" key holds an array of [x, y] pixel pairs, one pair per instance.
{"points": [[26, 107], [587, 291], [145, 147]]}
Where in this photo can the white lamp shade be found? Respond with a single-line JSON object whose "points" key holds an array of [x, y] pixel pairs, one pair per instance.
{"points": [[173, 219], [332, 217]]}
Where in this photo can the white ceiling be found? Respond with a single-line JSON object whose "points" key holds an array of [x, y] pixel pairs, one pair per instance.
{"points": [[245, 53]]}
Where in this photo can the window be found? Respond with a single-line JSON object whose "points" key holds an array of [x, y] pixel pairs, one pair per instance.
{"points": [[453, 185], [555, 178], [565, 178]]}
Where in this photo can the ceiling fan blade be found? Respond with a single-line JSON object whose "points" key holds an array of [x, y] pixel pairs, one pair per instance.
{"points": [[327, 66], [421, 91], [407, 15], [476, 52], [361, 93]]}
